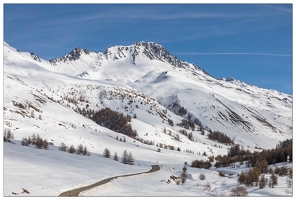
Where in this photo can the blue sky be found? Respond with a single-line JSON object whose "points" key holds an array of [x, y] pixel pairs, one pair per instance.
{"points": [[250, 42]]}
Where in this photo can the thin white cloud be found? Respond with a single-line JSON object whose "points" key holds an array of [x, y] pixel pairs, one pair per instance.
{"points": [[279, 8], [231, 53]]}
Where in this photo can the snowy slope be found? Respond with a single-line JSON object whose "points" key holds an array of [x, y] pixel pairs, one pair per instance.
{"points": [[241, 111], [141, 79]]}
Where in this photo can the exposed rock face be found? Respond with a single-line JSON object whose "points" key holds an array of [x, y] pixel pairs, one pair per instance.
{"points": [[75, 54]]}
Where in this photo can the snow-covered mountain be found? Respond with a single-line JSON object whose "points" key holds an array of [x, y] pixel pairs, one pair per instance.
{"points": [[53, 99], [248, 114]]}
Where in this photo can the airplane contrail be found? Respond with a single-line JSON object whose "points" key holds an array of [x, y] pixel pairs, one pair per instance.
{"points": [[231, 53]]}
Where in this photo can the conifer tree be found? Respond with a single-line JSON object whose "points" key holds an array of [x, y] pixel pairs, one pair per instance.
{"points": [[130, 159], [63, 147], [106, 153], [274, 180], [79, 149], [72, 149], [115, 157], [124, 158], [262, 182], [85, 152]]}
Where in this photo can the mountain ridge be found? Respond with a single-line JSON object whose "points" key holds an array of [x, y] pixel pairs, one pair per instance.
{"points": [[226, 105]]}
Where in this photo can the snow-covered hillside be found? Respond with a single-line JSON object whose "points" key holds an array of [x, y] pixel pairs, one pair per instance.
{"points": [[55, 99], [243, 112]]}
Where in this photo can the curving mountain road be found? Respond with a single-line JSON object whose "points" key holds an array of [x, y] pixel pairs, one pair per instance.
{"points": [[75, 192]]}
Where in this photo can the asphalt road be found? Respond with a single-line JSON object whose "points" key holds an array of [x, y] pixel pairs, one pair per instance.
{"points": [[75, 192]]}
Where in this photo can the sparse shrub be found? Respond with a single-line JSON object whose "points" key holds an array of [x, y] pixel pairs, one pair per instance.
{"points": [[178, 181], [208, 187], [221, 174], [32, 114], [238, 191], [202, 177], [183, 177]]}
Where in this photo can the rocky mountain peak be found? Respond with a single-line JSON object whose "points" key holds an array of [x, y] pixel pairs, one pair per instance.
{"points": [[155, 51], [75, 54], [35, 57]]}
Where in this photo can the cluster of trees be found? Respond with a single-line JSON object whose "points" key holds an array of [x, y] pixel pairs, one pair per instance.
{"points": [[121, 140], [182, 111], [220, 137], [71, 99], [115, 121], [8, 135], [148, 142], [171, 122], [262, 160], [171, 147], [251, 178], [80, 149], [188, 151], [187, 124], [35, 140], [201, 164], [89, 113], [282, 171], [284, 144], [127, 158], [272, 156], [189, 135]]}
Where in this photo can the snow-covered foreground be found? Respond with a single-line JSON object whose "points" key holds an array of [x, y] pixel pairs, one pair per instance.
{"points": [[51, 172], [153, 185]]}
